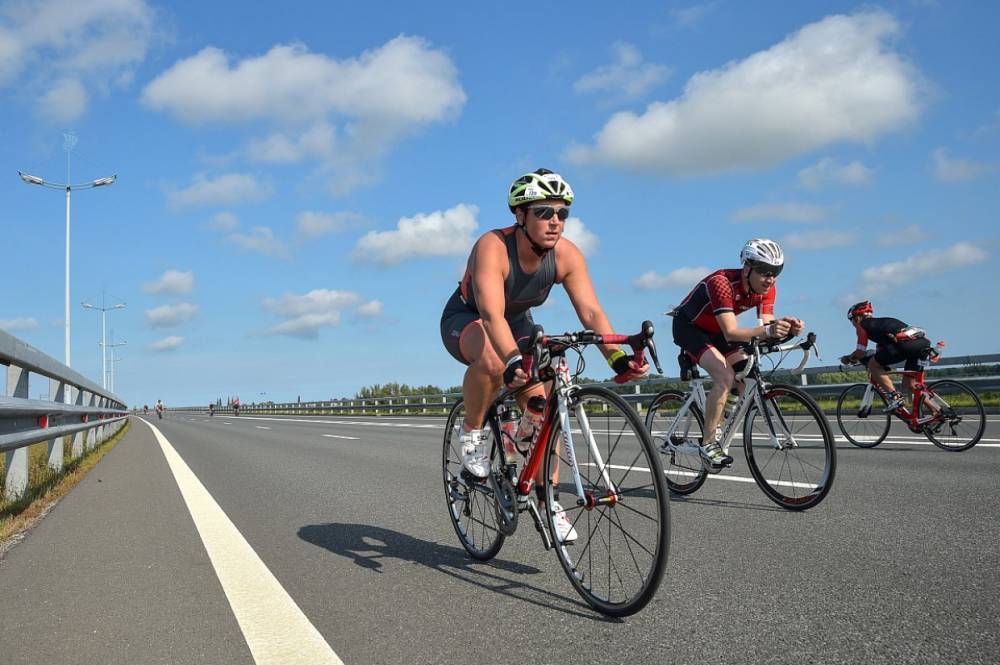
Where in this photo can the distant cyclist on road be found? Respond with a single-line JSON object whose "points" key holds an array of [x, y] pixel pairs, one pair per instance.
{"points": [[236, 405], [705, 328], [159, 409], [895, 342], [509, 271], [211, 408], [145, 409]]}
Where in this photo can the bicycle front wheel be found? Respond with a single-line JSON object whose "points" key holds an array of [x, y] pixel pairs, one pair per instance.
{"points": [[960, 421], [620, 514], [789, 448], [677, 432], [470, 503], [865, 426]]}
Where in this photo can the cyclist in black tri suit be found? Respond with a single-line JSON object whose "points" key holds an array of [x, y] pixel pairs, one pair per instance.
{"points": [[509, 271], [895, 342]]}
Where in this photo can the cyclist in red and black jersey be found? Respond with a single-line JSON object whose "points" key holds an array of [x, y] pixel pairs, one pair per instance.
{"points": [[895, 342], [705, 328]]}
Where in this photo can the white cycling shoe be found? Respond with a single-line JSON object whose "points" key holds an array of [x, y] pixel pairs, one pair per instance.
{"points": [[565, 532], [475, 453]]}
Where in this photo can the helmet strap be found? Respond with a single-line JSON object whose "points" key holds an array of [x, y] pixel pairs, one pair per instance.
{"points": [[539, 250]]}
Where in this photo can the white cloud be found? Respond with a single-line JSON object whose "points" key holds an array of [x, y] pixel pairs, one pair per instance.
{"points": [[947, 169], [226, 189], [829, 170], [586, 241], [172, 282], [18, 324], [783, 212], [57, 50], [627, 78], [315, 224], [306, 314], [440, 233], [261, 240], [370, 310], [884, 278], [907, 235], [688, 17], [171, 316], [65, 101], [681, 277], [167, 343], [815, 240], [346, 114], [834, 80], [224, 221]]}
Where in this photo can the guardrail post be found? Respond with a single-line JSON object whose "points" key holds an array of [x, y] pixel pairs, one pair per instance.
{"points": [[638, 404], [57, 393], [424, 410], [805, 379], [16, 461], [92, 432], [78, 396]]}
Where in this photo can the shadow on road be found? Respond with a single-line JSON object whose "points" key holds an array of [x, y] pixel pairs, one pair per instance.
{"points": [[369, 546]]}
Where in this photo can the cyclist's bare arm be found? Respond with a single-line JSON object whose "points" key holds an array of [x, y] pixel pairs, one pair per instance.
{"points": [[571, 272], [734, 333]]}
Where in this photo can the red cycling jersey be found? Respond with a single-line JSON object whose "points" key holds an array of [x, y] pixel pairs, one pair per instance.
{"points": [[722, 291]]}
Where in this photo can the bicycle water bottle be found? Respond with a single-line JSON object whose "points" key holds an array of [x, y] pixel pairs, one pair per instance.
{"points": [[732, 401], [507, 434], [531, 423]]}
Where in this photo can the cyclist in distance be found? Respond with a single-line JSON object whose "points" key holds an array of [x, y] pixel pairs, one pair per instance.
{"points": [[236, 405], [895, 342], [211, 408], [706, 329], [509, 271], [145, 409], [159, 408]]}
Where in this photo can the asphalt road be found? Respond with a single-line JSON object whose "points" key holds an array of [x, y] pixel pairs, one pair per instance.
{"points": [[898, 564]]}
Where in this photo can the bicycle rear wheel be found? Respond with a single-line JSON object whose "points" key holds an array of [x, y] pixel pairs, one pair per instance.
{"points": [[864, 427], [470, 503], [789, 448], [677, 433], [962, 418], [622, 516]]}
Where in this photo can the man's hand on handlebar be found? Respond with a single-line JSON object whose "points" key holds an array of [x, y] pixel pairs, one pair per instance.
{"points": [[514, 375], [796, 326], [626, 368]]}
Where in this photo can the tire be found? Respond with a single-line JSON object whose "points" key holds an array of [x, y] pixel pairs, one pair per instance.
{"points": [[865, 430], [470, 509], [962, 420], [618, 559], [684, 470], [795, 476]]}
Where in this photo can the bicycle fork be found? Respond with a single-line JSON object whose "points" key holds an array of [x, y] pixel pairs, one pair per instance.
{"points": [[585, 499]]}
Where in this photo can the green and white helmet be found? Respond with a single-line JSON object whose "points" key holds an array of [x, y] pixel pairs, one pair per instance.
{"points": [[538, 186]]}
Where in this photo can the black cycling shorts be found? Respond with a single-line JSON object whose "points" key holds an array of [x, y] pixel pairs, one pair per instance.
{"points": [[696, 341], [456, 320], [912, 351]]}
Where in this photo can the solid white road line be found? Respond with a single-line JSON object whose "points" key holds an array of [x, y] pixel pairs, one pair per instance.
{"points": [[337, 436], [274, 627], [261, 427]]}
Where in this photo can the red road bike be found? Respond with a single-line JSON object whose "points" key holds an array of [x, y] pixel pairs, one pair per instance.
{"points": [[947, 412], [599, 464]]}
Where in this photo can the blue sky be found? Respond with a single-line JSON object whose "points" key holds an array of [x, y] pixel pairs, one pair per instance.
{"points": [[299, 188]]}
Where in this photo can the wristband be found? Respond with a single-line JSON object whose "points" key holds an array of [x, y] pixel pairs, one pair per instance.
{"points": [[513, 359], [511, 370], [615, 356]]}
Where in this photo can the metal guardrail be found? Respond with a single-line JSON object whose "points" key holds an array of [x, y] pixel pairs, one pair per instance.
{"points": [[643, 392], [75, 407]]}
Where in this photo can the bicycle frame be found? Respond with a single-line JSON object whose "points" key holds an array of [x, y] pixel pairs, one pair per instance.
{"points": [[753, 390], [921, 394], [557, 406]]}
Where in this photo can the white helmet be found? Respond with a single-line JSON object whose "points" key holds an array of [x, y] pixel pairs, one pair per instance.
{"points": [[761, 252]]}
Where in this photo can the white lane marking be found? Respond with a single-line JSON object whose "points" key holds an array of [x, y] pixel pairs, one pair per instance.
{"points": [[261, 427], [337, 436], [274, 627], [738, 479]]}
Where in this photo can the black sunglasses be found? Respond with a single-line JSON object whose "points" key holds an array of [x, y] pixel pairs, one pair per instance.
{"points": [[546, 212], [765, 270]]}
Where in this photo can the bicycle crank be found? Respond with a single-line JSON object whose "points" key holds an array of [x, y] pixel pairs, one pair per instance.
{"points": [[505, 503]]}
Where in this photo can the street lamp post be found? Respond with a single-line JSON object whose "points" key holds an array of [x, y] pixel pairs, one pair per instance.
{"points": [[104, 341], [100, 182], [113, 345]]}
